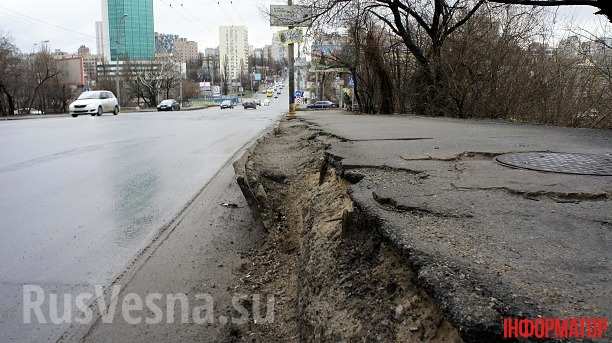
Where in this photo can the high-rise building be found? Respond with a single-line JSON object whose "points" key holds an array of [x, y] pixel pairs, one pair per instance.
{"points": [[90, 63], [129, 24], [186, 50], [233, 51], [165, 43], [100, 40], [279, 51], [83, 51], [210, 65], [569, 46], [181, 49], [209, 52]]}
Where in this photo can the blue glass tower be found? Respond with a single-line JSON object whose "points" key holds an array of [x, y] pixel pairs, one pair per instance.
{"points": [[130, 29]]}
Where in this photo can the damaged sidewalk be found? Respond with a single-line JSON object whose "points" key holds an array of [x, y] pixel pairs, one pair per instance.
{"points": [[405, 229]]}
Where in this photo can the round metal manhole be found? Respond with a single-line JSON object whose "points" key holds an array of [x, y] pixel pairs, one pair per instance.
{"points": [[559, 162]]}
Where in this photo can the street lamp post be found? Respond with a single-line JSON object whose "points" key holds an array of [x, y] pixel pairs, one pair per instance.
{"points": [[291, 113], [117, 86], [42, 45]]}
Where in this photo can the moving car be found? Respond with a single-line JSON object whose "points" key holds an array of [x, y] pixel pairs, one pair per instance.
{"points": [[227, 104], [169, 105], [249, 104], [269, 93], [266, 102], [94, 103], [322, 105]]}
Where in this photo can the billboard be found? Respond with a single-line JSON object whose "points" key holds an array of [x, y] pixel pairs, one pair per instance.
{"points": [[290, 15], [205, 86], [292, 36]]}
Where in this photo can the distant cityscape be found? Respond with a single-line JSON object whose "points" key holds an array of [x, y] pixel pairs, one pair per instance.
{"points": [[126, 35], [129, 55]]}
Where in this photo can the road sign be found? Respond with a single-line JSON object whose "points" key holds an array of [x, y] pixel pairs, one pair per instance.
{"points": [[299, 94], [290, 15], [292, 36]]}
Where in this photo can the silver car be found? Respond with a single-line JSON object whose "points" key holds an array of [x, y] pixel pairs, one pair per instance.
{"points": [[95, 103]]}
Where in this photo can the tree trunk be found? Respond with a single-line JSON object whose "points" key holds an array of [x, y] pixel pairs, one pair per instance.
{"points": [[10, 101]]}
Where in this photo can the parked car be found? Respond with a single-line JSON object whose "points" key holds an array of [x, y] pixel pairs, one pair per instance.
{"points": [[94, 103], [322, 105], [227, 104], [257, 102], [169, 105], [249, 104]]}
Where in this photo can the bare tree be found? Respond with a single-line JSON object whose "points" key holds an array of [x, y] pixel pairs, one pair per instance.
{"points": [[604, 6], [423, 27], [147, 82], [43, 68], [225, 77], [190, 89], [10, 65]]}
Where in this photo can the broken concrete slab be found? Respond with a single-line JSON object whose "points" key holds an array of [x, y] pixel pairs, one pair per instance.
{"points": [[487, 241]]}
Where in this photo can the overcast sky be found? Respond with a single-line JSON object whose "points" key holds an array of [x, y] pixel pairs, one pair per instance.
{"points": [[69, 23]]}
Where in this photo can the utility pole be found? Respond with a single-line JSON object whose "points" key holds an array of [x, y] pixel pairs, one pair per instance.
{"points": [[299, 70], [291, 113], [181, 91], [119, 45]]}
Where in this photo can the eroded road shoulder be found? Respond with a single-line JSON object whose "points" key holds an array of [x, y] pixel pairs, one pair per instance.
{"points": [[424, 239], [334, 276]]}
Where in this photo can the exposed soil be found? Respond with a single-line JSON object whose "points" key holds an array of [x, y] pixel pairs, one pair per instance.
{"points": [[333, 276]]}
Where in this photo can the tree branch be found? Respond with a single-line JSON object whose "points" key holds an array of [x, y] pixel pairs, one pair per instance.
{"points": [[605, 6]]}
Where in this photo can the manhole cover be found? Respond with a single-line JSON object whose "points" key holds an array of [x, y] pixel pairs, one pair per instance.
{"points": [[558, 162]]}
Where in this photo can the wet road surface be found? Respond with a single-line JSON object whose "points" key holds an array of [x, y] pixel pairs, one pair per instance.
{"points": [[81, 197]]}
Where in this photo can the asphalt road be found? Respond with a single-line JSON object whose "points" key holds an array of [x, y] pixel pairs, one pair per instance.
{"points": [[81, 197]]}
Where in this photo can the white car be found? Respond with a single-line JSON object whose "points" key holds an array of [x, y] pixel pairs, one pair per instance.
{"points": [[266, 102], [95, 103]]}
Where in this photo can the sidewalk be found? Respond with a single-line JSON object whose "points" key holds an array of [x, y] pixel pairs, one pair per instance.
{"points": [[485, 240]]}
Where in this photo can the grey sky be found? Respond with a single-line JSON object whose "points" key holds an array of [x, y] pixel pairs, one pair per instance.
{"points": [[69, 23]]}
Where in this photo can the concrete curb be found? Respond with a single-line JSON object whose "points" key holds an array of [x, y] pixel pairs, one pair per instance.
{"points": [[250, 186], [51, 116], [42, 116]]}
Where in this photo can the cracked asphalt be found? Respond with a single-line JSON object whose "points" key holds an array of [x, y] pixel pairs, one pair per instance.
{"points": [[487, 241]]}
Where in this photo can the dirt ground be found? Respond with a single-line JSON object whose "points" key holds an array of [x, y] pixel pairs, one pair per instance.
{"points": [[333, 277]]}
